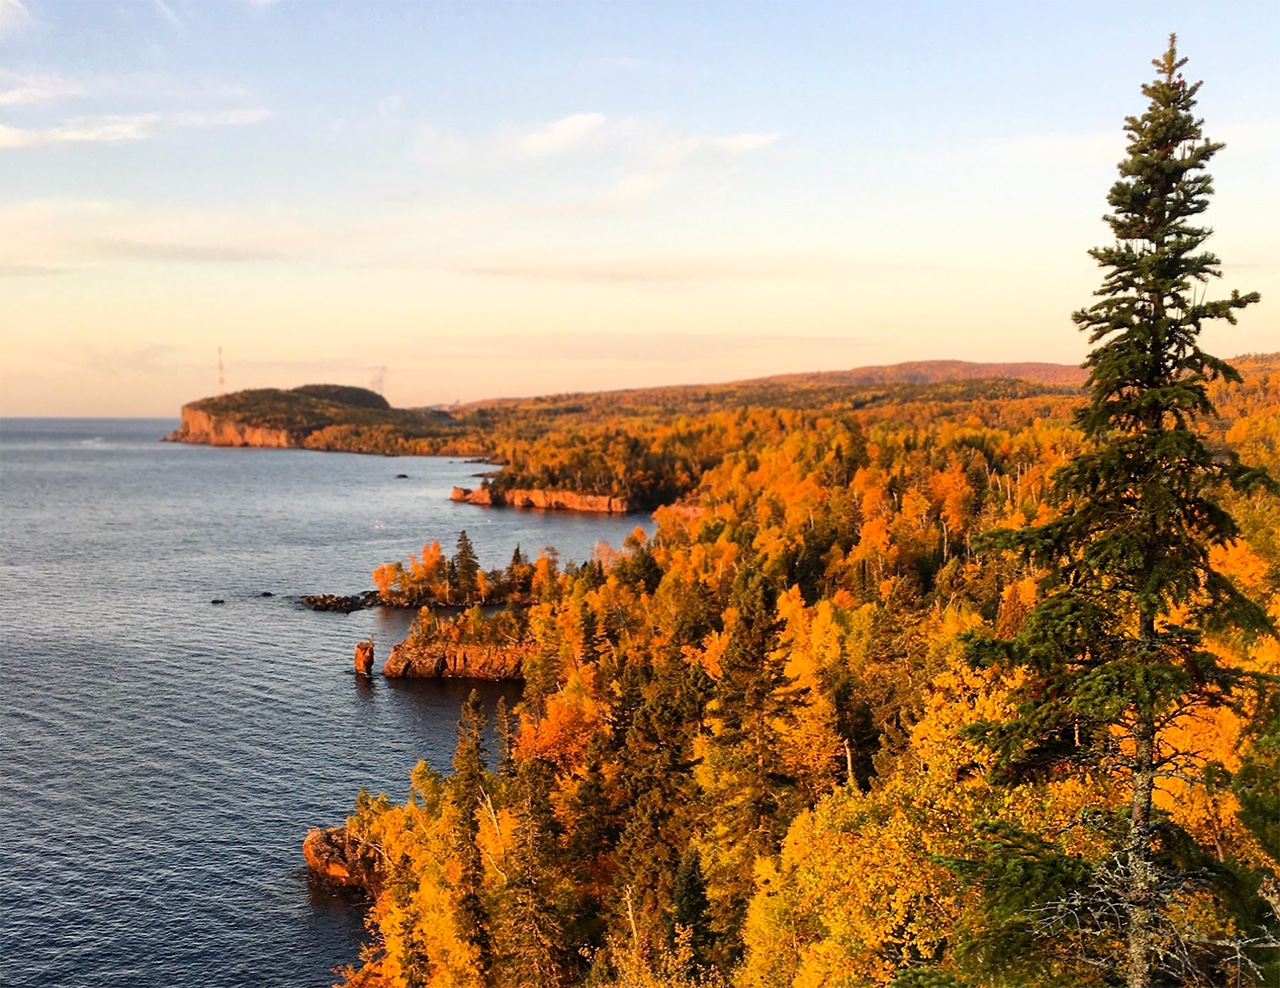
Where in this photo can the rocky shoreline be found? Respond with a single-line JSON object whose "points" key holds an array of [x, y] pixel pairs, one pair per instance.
{"points": [[410, 660], [546, 500]]}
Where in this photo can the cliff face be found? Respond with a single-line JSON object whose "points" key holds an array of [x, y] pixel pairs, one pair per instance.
{"points": [[461, 661], [199, 427], [547, 500]]}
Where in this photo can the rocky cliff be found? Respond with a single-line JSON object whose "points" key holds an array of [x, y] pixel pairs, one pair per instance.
{"points": [[547, 500], [199, 426], [409, 659]]}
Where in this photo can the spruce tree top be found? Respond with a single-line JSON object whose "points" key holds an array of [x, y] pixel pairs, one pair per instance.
{"points": [[1142, 502], [1150, 365]]}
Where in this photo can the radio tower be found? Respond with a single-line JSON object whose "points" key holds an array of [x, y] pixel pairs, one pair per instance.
{"points": [[222, 378]]}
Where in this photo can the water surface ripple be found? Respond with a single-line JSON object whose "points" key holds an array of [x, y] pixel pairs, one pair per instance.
{"points": [[162, 757]]}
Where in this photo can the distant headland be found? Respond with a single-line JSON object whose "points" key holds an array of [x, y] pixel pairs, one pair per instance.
{"points": [[608, 452]]}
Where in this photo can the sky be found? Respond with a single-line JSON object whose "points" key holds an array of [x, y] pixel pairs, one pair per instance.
{"points": [[454, 201]]}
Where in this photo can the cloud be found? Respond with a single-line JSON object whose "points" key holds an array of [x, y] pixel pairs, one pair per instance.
{"points": [[562, 135], [610, 163], [18, 89], [629, 349], [744, 143], [116, 360], [123, 127], [17, 269], [25, 90], [656, 270], [13, 18], [632, 189], [167, 12], [125, 249], [55, 236], [630, 139]]}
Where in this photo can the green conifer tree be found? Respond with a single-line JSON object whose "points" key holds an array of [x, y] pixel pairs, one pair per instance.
{"points": [[467, 784], [1114, 650], [465, 570], [756, 796], [689, 906], [529, 936]]}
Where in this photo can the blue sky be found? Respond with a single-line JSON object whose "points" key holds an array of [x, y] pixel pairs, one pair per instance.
{"points": [[455, 201]]}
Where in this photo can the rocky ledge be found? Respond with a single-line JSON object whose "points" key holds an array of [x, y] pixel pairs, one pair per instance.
{"points": [[547, 500], [340, 862], [412, 660]]}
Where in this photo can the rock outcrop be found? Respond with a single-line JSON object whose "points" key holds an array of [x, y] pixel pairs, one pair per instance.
{"points": [[341, 604], [338, 861], [547, 500], [364, 658], [412, 660], [200, 427]]}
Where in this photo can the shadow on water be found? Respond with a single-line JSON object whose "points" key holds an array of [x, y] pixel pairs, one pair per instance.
{"points": [[433, 697], [365, 689], [436, 704], [347, 907], [390, 626]]}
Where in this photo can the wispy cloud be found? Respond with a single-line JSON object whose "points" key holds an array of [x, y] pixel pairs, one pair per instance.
{"points": [[632, 141], [167, 12], [57, 235], [664, 269], [123, 127], [25, 90], [563, 135], [123, 248], [633, 138], [54, 236], [628, 347], [610, 164], [14, 16], [18, 88]]}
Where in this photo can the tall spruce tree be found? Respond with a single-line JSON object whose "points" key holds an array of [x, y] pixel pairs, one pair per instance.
{"points": [[468, 790], [1114, 650], [755, 795], [466, 571]]}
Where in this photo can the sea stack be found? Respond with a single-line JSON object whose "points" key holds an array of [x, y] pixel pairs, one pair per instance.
{"points": [[364, 658]]}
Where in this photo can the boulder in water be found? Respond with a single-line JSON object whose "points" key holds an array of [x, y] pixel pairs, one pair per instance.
{"points": [[339, 861]]}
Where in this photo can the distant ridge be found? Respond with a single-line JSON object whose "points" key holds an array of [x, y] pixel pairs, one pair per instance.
{"points": [[933, 371], [916, 372]]}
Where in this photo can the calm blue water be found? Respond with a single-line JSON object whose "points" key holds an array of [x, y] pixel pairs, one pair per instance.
{"points": [[162, 758]]}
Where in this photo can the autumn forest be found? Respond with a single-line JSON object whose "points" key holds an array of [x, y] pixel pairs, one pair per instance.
{"points": [[957, 684]]}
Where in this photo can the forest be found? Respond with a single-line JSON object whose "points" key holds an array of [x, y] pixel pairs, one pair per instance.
{"points": [[962, 684], [650, 446]]}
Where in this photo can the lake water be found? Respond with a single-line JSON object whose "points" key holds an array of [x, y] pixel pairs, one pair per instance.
{"points": [[161, 758]]}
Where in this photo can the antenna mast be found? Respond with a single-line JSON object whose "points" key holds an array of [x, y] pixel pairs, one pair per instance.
{"points": [[222, 378]]}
